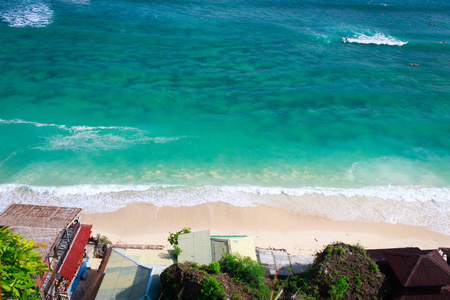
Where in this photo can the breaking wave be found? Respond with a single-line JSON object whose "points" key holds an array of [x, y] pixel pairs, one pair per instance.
{"points": [[377, 39], [410, 205]]}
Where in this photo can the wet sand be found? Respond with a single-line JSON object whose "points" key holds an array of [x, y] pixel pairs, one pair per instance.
{"points": [[273, 227]]}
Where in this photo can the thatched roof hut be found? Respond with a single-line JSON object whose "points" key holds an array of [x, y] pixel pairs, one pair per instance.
{"points": [[42, 224]]}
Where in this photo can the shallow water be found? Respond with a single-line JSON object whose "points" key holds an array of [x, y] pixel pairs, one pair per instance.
{"points": [[107, 102]]}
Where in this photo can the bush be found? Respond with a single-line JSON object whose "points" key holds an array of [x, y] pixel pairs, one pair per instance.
{"points": [[338, 289], [263, 292], [212, 289], [20, 264], [244, 269], [177, 250], [214, 267], [374, 267], [296, 282]]}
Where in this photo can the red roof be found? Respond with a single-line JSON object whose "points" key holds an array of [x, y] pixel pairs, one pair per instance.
{"points": [[415, 270], [76, 252]]}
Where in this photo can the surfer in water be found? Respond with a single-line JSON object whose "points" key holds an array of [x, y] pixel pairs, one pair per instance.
{"points": [[345, 39]]}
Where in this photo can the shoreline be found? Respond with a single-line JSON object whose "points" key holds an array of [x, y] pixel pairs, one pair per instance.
{"points": [[425, 207], [143, 223]]}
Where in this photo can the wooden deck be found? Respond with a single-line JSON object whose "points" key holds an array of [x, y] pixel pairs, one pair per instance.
{"points": [[139, 246]]}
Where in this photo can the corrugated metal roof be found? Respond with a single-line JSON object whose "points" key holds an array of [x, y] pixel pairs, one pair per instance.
{"points": [[195, 247], [76, 252], [419, 270], [38, 216]]}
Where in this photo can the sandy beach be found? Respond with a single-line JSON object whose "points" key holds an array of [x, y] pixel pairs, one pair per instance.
{"points": [[141, 223]]}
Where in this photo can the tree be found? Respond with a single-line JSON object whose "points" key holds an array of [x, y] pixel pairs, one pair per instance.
{"points": [[173, 239], [19, 266]]}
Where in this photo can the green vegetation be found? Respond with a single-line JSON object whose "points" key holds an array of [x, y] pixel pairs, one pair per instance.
{"points": [[234, 277], [340, 271], [177, 250], [19, 267], [173, 240], [244, 269], [173, 237], [105, 240], [338, 288], [214, 267], [212, 289]]}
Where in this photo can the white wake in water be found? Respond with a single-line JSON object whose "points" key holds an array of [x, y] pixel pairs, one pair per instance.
{"points": [[93, 137], [377, 39]]}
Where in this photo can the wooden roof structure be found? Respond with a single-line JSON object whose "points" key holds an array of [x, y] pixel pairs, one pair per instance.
{"points": [[42, 224], [425, 270], [139, 246], [44, 238], [38, 216]]}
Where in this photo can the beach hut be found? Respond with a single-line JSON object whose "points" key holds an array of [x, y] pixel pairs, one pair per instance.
{"points": [[61, 240]]}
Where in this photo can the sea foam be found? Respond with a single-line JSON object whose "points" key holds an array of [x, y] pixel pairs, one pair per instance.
{"points": [[410, 205], [93, 137], [377, 39], [27, 14]]}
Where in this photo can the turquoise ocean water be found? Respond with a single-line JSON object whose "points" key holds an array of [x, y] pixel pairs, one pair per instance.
{"points": [[176, 102]]}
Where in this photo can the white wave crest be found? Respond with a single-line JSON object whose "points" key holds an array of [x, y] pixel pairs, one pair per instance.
{"points": [[377, 39], [410, 205], [28, 14], [397, 193]]}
